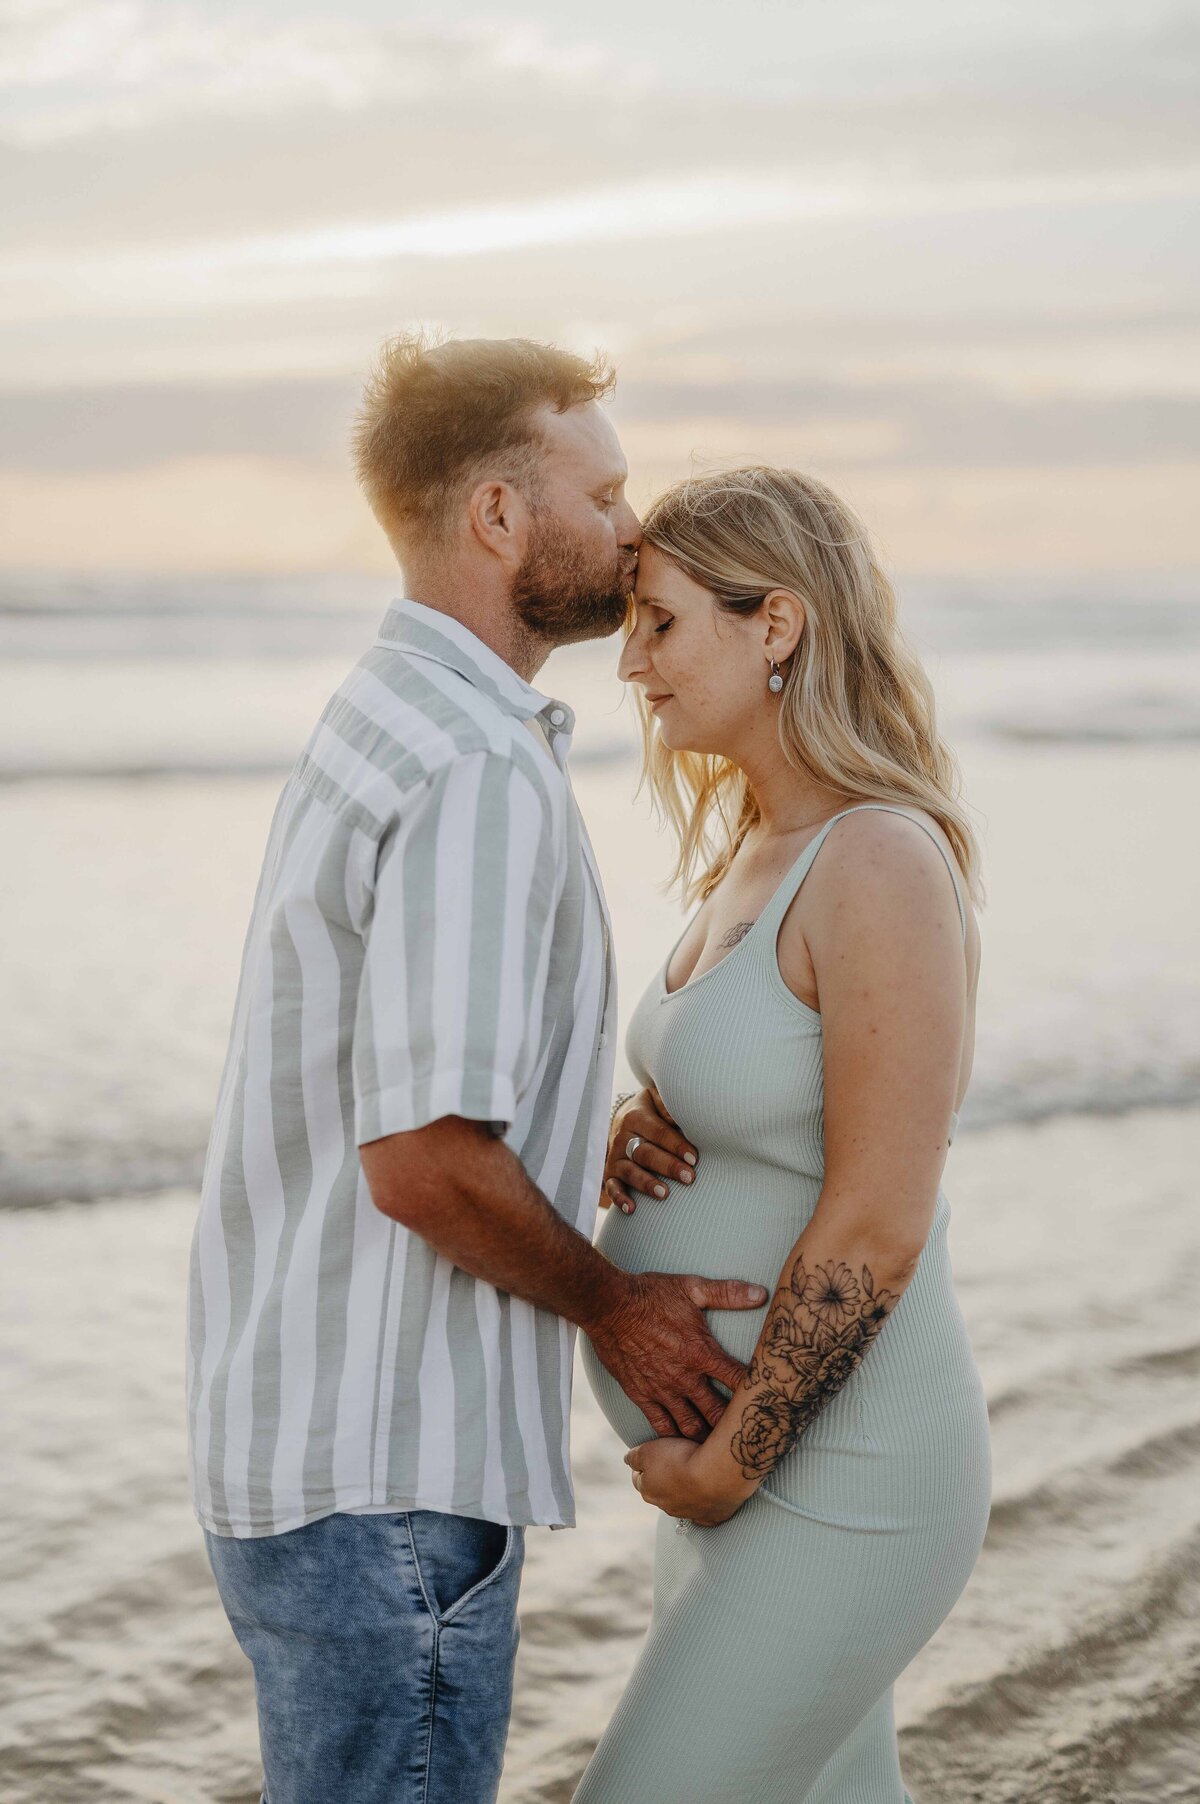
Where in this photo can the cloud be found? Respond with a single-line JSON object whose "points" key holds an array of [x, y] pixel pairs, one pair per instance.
{"points": [[879, 240], [255, 514], [741, 216], [112, 106], [951, 423], [900, 424], [83, 67]]}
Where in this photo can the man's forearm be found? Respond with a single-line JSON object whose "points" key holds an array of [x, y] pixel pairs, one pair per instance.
{"points": [[469, 1196]]}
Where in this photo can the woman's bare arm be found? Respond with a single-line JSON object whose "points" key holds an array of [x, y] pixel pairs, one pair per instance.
{"points": [[884, 936]]}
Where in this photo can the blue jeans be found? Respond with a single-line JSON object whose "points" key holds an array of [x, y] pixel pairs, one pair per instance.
{"points": [[383, 1649]]}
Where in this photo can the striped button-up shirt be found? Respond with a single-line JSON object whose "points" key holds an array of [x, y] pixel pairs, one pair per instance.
{"points": [[429, 938]]}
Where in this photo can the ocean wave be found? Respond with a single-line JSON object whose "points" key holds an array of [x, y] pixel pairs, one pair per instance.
{"points": [[136, 1170], [1126, 1375], [1051, 610], [1152, 717], [139, 770], [136, 770], [55, 595], [1000, 1102], [123, 1171], [1065, 1503], [1064, 1723]]}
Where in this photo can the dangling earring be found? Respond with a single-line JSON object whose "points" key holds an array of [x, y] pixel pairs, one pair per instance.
{"points": [[774, 681]]}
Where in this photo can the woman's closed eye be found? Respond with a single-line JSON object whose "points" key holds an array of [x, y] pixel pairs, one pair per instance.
{"points": [[665, 625]]}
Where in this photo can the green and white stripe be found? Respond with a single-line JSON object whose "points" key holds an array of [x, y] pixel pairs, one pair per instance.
{"points": [[429, 937]]}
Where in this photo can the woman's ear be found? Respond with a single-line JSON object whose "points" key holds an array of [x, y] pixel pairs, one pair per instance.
{"points": [[785, 618]]}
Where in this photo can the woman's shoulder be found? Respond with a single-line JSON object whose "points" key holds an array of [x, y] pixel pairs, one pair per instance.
{"points": [[890, 854], [870, 823]]}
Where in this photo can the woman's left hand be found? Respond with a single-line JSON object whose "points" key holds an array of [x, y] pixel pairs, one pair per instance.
{"points": [[665, 1474]]}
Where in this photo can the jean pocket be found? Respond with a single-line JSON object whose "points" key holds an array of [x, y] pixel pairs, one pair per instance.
{"points": [[508, 1558], [457, 1557]]}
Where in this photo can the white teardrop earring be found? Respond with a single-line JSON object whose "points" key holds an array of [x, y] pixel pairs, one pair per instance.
{"points": [[774, 681]]}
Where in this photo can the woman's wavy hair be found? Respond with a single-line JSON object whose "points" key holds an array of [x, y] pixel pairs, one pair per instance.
{"points": [[856, 712]]}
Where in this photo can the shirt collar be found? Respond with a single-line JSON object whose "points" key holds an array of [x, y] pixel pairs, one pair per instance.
{"points": [[424, 632]]}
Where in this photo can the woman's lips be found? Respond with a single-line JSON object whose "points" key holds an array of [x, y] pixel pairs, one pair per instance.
{"points": [[656, 701]]}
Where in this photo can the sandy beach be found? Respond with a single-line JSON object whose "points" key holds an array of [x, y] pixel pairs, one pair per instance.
{"points": [[1067, 1672]]}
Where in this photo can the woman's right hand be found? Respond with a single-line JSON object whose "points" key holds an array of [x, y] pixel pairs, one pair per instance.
{"points": [[663, 1153]]}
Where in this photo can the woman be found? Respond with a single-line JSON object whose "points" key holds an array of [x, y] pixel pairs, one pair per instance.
{"points": [[804, 1052]]}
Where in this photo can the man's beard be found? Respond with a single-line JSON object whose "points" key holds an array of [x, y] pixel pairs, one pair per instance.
{"points": [[561, 596]]}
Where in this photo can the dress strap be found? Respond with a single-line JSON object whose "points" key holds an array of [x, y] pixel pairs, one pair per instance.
{"points": [[772, 915], [771, 918]]}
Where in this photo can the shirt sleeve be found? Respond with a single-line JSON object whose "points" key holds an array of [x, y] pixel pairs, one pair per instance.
{"points": [[449, 1014]]}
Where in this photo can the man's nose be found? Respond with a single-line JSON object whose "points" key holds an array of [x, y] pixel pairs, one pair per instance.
{"points": [[631, 529]]}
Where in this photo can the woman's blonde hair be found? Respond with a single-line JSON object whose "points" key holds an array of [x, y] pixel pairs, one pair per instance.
{"points": [[857, 710]]}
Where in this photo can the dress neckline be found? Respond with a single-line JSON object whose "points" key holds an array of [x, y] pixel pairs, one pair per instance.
{"points": [[666, 995], [768, 907]]}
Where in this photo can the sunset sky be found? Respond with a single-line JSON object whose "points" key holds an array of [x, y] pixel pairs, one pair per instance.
{"points": [[946, 254]]}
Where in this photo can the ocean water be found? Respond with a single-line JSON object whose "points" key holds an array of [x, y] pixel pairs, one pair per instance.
{"points": [[145, 729]]}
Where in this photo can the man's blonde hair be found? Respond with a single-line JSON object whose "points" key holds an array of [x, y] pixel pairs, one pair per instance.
{"points": [[437, 417], [857, 710]]}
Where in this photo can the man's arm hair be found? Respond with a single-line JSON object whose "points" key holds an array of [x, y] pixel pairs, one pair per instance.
{"points": [[467, 1194]]}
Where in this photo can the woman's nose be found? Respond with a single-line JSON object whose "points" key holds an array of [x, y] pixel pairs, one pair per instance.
{"points": [[632, 660]]}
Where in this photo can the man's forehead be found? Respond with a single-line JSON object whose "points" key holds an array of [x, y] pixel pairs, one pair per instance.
{"points": [[585, 434]]}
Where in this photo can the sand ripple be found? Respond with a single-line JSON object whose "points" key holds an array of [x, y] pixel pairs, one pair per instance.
{"points": [[1068, 1673]]}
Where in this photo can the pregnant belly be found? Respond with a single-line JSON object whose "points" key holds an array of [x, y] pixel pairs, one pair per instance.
{"points": [[730, 1223]]}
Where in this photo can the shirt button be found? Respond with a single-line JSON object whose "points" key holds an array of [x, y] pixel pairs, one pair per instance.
{"points": [[603, 1040], [557, 717]]}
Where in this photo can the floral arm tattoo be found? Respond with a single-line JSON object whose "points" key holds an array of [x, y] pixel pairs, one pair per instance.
{"points": [[819, 1326]]}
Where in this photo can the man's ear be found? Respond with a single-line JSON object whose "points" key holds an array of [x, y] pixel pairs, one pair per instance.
{"points": [[498, 519], [785, 617]]}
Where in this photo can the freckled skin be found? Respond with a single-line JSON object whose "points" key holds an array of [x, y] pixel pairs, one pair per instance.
{"points": [[712, 664], [704, 672]]}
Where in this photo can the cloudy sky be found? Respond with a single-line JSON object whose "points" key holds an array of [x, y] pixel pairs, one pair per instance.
{"points": [[945, 253]]}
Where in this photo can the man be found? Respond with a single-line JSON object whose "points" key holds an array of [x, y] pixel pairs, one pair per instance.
{"points": [[393, 1253]]}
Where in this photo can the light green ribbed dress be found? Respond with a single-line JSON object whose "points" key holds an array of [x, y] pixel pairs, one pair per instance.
{"points": [[775, 1639]]}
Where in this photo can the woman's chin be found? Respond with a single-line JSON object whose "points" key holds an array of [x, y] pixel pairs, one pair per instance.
{"points": [[676, 738], [673, 735]]}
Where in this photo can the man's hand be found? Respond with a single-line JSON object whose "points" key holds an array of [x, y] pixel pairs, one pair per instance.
{"points": [[470, 1197], [659, 1348]]}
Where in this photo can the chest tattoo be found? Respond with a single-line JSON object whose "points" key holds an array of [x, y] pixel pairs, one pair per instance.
{"points": [[736, 933]]}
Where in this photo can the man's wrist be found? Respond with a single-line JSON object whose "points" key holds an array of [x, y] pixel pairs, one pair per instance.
{"points": [[610, 1290]]}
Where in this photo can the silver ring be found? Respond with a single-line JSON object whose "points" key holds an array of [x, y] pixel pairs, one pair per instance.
{"points": [[632, 1144]]}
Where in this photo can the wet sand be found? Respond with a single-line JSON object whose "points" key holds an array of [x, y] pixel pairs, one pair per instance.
{"points": [[1069, 1672]]}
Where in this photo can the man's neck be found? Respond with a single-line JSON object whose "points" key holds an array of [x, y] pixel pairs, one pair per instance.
{"points": [[489, 616]]}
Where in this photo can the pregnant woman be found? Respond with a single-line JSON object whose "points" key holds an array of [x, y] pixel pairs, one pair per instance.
{"points": [[804, 1052]]}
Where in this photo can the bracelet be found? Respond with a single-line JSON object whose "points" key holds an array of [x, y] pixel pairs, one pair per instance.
{"points": [[628, 1096]]}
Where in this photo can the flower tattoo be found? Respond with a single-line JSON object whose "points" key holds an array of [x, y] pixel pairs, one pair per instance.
{"points": [[821, 1323], [832, 1293]]}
